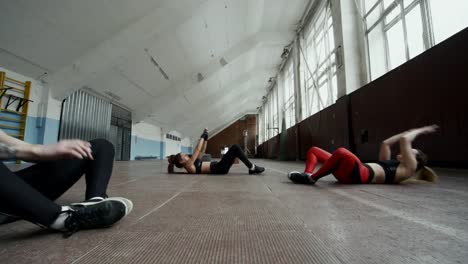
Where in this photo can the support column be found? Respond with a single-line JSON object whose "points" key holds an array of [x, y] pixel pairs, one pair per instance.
{"points": [[350, 42], [297, 81]]}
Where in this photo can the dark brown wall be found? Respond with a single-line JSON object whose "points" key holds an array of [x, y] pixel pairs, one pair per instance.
{"points": [[234, 135], [431, 88], [327, 129]]}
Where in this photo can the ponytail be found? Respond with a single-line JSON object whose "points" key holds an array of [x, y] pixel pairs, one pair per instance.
{"points": [[170, 168], [425, 174], [428, 175]]}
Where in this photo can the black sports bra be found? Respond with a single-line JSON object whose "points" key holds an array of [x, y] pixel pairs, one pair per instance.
{"points": [[197, 163], [390, 168]]}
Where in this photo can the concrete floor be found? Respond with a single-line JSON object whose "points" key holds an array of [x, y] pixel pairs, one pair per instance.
{"points": [[239, 218]]}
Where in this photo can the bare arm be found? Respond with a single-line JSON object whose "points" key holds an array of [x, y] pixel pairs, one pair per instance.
{"points": [[203, 149], [385, 153], [406, 150], [197, 149], [201, 146], [13, 148]]}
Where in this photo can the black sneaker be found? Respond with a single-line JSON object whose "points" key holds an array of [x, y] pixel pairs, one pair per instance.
{"points": [[99, 215], [298, 177], [256, 170], [95, 200]]}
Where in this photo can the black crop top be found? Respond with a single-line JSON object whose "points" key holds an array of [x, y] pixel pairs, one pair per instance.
{"points": [[390, 168], [197, 163]]}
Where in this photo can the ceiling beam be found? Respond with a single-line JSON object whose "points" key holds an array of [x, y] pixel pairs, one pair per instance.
{"points": [[253, 42]]}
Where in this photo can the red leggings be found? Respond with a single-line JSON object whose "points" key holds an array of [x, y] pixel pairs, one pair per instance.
{"points": [[345, 166]]}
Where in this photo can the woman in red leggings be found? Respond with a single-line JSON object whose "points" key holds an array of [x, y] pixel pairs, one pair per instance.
{"points": [[347, 168]]}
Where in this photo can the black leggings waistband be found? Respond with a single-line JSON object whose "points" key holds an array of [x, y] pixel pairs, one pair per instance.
{"points": [[371, 173]]}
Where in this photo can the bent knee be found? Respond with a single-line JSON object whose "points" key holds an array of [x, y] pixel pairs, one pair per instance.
{"points": [[102, 144], [235, 146], [341, 150]]}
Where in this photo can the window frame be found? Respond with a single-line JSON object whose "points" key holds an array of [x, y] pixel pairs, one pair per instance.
{"points": [[428, 38]]}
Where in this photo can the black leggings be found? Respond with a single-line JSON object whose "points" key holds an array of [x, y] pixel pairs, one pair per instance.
{"points": [[223, 166], [29, 193]]}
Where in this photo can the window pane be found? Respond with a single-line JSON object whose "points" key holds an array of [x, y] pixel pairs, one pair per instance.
{"points": [[415, 31], [393, 14], [334, 88], [314, 105], [407, 3], [396, 45], [369, 4], [323, 91], [373, 17], [377, 53], [331, 38], [387, 3], [289, 95], [320, 58], [448, 17]]}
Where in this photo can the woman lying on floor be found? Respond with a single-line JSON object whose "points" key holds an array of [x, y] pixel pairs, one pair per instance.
{"points": [[29, 193], [193, 164], [347, 168]]}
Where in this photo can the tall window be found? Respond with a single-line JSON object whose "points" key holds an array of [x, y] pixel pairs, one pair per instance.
{"points": [[271, 125], [260, 127], [398, 30], [272, 110], [289, 98], [274, 102], [318, 62], [265, 122], [448, 17]]}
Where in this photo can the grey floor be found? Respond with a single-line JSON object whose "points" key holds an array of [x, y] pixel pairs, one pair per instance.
{"points": [[239, 218]]}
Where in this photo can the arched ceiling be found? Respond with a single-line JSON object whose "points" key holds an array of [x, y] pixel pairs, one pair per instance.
{"points": [[179, 64]]}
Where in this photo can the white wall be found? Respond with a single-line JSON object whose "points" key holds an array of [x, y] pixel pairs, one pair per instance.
{"points": [[150, 141], [147, 131], [172, 146], [186, 142]]}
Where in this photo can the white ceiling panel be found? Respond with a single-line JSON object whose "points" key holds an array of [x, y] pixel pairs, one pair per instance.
{"points": [[15, 63], [106, 44], [112, 81], [89, 22], [140, 70], [170, 54], [37, 41], [194, 38]]}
